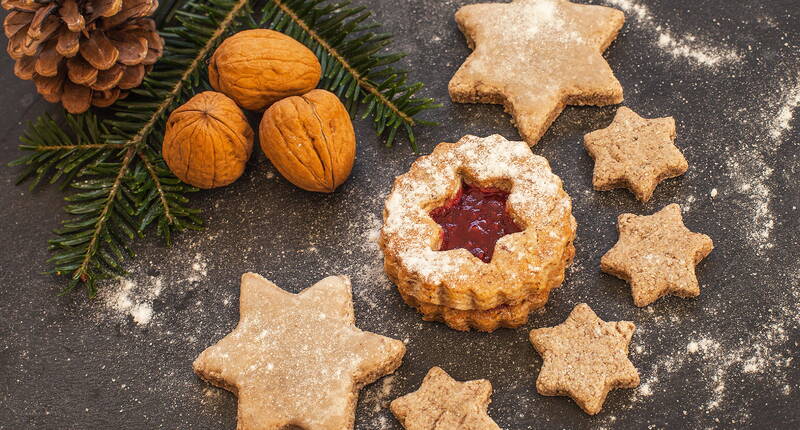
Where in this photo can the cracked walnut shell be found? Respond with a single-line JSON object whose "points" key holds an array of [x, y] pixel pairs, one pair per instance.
{"points": [[259, 67], [208, 141], [310, 140]]}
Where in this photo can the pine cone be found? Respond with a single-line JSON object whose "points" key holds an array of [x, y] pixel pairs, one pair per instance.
{"points": [[82, 52]]}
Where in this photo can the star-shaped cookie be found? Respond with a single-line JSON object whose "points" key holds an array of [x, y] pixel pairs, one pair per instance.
{"points": [[297, 359], [535, 57], [442, 403], [635, 153], [585, 358], [657, 254]]}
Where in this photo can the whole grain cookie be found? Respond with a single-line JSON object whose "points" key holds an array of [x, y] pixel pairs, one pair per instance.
{"points": [[297, 359], [535, 57], [585, 358], [442, 403], [657, 254], [635, 153]]}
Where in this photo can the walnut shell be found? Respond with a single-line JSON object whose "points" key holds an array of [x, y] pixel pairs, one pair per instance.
{"points": [[310, 140], [208, 141], [259, 67]]}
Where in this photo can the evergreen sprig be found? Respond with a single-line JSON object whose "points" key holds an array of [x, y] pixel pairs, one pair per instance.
{"points": [[113, 163]]}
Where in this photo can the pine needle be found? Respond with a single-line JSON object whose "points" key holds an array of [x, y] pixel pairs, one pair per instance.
{"points": [[121, 185]]}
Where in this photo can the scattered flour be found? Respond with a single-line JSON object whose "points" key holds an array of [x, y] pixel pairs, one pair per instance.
{"points": [[377, 395], [686, 46], [133, 297], [129, 298], [725, 364], [748, 163], [783, 119]]}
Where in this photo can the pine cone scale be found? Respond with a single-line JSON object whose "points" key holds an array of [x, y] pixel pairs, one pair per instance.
{"points": [[25, 67], [71, 16], [108, 79], [49, 87], [99, 51], [81, 72], [103, 8], [48, 60], [132, 77], [15, 21], [16, 44], [24, 5], [68, 42], [76, 98], [132, 49]]}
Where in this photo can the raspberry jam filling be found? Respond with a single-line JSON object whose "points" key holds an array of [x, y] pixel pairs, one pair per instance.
{"points": [[474, 220]]}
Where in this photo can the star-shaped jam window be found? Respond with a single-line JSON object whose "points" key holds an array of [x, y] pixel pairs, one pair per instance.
{"points": [[585, 358], [297, 359], [535, 57], [657, 255], [635, 153], [442, 403]]}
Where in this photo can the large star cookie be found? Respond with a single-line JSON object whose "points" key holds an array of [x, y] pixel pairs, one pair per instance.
{"points": [[297, 359], [535, 57], [585, 358], [657, 254], [635, 153], [442, 403]]}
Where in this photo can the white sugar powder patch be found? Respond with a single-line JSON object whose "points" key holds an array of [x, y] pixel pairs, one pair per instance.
{"points": [[748, 161], [132, 298], [128, 298], [685, 47], [782, 121]]}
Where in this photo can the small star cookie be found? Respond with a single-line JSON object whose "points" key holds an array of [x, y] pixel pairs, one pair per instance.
{"points": [[535, 57], [442, 403], [635, 153], [657, 254], [297, 359], [585, 358]]}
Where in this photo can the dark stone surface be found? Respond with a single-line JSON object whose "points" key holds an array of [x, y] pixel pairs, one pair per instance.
{"points": [[69, 363]]}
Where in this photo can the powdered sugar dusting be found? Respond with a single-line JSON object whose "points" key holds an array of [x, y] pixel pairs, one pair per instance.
{"points": [[541, 21], [748, 164], [131, 298], [128, 298], [783, 119], [410, 235], [687, 46]]}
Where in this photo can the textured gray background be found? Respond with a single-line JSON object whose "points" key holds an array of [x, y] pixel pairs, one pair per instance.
{"points": [[69, 363]]}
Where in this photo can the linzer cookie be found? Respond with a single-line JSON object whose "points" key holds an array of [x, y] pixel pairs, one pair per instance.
{"points": [[657, 255], [585, 358], [297, 359], [535, 57], [477, 233], [635, 153], [442, 403]]}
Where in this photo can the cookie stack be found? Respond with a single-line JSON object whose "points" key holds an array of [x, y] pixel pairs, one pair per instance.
{"points": [[452, 274]]}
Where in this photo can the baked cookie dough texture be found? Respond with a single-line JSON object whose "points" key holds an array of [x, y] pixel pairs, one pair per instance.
{"points": [[535, 57], [454, 286]]}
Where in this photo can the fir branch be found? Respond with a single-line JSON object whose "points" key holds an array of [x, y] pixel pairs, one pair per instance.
{"points": [[123, 187]]}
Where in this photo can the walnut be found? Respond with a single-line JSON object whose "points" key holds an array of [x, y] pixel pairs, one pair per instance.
{"points": [[259, 67], [310, 140], [208, 141]]}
